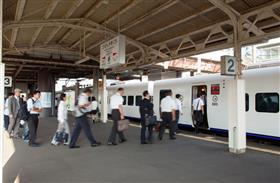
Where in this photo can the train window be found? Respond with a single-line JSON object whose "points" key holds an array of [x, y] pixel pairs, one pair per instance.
{"points": [[247, 102], [124, 100], [138, 100], [267, 102], [130, 100]]}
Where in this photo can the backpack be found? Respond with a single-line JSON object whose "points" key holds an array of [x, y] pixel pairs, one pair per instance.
{"points": [[23, 111]]}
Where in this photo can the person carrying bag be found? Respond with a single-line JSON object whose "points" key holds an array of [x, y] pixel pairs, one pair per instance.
{"points": [[148, 120]]}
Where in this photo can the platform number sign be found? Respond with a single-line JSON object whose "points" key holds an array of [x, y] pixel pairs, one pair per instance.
{"points": [[228, 65], [8, 81]]}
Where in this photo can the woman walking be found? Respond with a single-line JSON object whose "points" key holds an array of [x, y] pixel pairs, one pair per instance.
{"points": [[62, 134]]}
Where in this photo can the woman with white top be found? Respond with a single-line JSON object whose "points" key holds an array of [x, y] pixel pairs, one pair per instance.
{"points": [[62, 134]]}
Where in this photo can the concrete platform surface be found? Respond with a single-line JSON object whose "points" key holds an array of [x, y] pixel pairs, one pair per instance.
{"points": [[180, 161]]}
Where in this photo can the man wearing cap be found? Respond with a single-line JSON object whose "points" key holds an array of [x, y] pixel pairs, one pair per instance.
{"points": [[13, 106]]}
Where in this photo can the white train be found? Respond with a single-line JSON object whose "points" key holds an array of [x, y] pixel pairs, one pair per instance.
{"points": [[262, 100]]}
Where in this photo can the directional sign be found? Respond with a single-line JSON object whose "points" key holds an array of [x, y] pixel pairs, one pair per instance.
{"points": [[112, 52], [228, 65], [8, 81]]}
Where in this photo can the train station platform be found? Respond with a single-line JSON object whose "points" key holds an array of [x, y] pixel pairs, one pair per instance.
{"points": [[183, 160]]}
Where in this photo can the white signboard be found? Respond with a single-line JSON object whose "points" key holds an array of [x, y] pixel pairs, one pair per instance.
{"points": [[112, 52], [46, 99], [70, 100], [228, 65], [8, 81]]}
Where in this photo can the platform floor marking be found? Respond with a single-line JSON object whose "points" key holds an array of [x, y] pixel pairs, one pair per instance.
{"points": [[219, 141]]}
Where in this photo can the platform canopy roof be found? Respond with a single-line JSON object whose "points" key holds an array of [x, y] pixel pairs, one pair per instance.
{"points": [[64, 35]]}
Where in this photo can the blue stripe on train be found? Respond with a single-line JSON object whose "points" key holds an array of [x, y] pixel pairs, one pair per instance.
{"points": [[217, 130]]}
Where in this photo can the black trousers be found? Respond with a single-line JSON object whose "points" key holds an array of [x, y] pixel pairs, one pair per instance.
{"points": [[81, 124], [33, 122], [116, 116], [143, 137], [176, 120], [6, 121], [167, 120], [198, 117]]}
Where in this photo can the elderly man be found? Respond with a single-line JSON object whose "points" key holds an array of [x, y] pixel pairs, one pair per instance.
{"points": [[13, 106]]}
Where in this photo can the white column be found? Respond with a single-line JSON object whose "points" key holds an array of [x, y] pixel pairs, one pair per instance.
{"points": [[104, 102], [2, 70], [237, 120], [236, 116]]}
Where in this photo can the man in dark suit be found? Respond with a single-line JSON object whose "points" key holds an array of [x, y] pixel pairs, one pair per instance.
{"points": [[13, 106], [146, 109]]}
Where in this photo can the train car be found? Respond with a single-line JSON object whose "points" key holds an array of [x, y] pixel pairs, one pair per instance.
{"points": [[132, 97], [261, 98]]}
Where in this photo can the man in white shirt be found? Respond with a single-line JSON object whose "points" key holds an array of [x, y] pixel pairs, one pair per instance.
{"points": [[198, 111], [34, 107], [82, 123], [168, 115], [117, 114], [178, 110]]}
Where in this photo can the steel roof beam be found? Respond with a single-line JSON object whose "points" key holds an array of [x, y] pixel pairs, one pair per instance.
{"points": [[47, 15], [43, 62], [196, 14], [18, 15], [150, 14], [112, 17], [76, 4]]}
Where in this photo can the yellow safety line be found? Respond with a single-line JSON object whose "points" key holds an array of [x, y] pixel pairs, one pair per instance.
{"points": [[221, 142]]}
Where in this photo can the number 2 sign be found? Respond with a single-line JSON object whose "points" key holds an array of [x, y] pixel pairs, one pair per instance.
{"points": [[228, 65]]}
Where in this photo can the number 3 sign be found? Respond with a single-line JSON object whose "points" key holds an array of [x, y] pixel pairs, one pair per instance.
{"points": [[8, 81], [228, 65]]}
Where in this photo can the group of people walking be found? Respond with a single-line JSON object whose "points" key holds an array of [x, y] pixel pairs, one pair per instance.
{"points": [[20, 113]]}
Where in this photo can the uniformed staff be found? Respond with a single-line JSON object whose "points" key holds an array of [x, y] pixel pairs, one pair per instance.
{"points": [[146, 108], [168, 115], [178, 110], [116, 105], [34, 107], [82, 123], [198, 111]]}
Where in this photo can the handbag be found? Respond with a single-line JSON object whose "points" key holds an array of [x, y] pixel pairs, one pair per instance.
{"points": [[123, 125], [150, 120]]}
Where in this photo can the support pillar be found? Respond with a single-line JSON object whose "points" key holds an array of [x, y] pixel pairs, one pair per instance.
{"points": [[199, 65], [2, 74], [104, 102], [95, 85], [237, 122], [45, 85]]}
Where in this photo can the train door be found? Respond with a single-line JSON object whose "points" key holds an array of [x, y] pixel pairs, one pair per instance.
{"points": [[202, 89]]}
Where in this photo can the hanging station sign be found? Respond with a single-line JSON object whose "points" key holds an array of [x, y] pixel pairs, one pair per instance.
{"points": [[112, 52]]}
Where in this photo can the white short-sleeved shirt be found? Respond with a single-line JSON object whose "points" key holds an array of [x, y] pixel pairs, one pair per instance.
{"points": [[6, 110], [116, 100], [62, 111], [82, 100], [178, 104], [197, 103], [35, 104], [167, 104]]}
